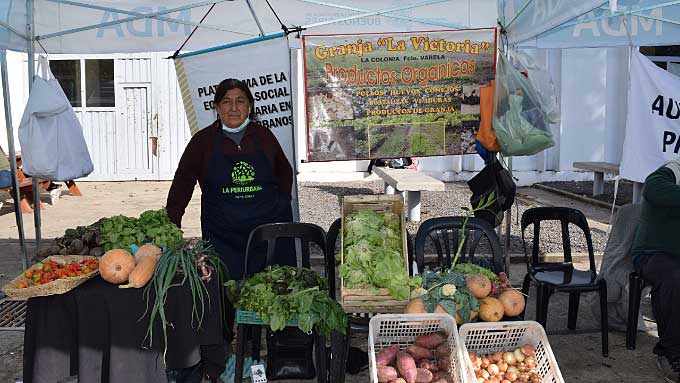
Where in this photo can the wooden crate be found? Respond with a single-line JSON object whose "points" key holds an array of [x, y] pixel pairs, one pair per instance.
{"points": [[374, 300]]}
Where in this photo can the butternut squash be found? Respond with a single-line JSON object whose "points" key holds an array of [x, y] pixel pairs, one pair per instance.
{"points": [[148, 251], [142, 273], [116, 265]]}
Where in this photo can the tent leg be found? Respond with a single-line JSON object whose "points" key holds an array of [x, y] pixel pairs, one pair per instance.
{"points": [[31, 73], [13, 159]]}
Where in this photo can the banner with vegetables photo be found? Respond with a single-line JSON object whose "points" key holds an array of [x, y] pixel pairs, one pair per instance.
{"points": [[395, 94]]}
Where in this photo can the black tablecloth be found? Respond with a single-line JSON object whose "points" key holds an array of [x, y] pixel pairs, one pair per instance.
{"points": [[96, 331]]}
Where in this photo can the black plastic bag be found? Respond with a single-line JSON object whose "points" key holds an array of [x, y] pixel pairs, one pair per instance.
{"points": [[289, 354], [493, 179]]}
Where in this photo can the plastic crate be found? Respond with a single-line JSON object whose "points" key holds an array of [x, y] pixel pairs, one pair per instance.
{"points": [[490, 337], [250, 317], [403, 329]]}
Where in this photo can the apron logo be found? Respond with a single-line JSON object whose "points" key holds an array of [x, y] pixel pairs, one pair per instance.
{"points": [[243, 173]]}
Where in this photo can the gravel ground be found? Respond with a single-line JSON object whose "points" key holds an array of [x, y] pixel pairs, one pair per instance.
{"points": [[320, 204]]}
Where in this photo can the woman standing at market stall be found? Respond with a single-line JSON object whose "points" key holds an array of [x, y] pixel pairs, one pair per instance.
{"points": [[245, 182]]}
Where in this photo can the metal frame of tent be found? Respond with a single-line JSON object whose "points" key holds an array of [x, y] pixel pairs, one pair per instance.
{"points": [[161, 15]]}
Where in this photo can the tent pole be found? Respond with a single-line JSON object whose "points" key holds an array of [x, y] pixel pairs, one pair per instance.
{"points": [[31, 72], [13, 159], [257, 21]]}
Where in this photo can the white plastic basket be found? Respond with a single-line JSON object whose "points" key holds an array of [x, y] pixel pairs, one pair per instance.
{"points": [[490, 337], [403, 329]]}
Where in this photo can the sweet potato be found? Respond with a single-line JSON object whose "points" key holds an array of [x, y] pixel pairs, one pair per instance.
{"points": [[386, 356], [442, 351], [386, 374], [444, 363], [418, 352], [430, 341], [423, 375], [428, 365], [406, 366]]}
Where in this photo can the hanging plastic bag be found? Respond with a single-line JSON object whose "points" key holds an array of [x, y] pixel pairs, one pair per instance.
{"points": [[520, 120], [52, 143], [541, 82]]}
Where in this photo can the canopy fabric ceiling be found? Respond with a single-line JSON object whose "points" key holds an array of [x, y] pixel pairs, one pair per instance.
{"points": [[590, 23], [112, 26]]}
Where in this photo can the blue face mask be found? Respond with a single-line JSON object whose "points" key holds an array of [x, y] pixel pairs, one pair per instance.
{"points": [[237, 129]]}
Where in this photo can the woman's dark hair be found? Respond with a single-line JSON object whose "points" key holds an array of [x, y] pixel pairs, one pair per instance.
{"points": [[232, 83]]}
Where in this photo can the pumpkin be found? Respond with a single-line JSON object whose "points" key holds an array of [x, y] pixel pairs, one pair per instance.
{"points": [[116, 265], [490, 310], [142, 273], [148, 251], [415, 306]]}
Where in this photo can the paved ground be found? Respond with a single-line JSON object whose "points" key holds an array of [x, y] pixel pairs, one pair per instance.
{"points": [[578, 353]]}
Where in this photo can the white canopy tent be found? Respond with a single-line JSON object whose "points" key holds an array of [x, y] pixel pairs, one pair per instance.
{"points": [[113, 26], [589, 23]]}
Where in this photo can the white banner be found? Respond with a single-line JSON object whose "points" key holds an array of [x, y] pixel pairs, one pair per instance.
{"points": [[653, 122], [264, 65]]}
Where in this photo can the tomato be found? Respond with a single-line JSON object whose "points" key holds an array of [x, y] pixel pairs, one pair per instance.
{"points": [[28, 274]]}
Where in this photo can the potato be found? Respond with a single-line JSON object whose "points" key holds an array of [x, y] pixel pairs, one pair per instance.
{"points": [[386, 374], [423, 375], [398, 380], [407, 366], [419, 352], [386, 356], [430, 341]]}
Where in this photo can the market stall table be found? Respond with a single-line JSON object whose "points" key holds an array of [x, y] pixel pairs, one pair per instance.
{"points": [[95, 332]]}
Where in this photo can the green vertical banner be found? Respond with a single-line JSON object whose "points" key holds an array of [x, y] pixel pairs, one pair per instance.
{"points": [[395, 95]]}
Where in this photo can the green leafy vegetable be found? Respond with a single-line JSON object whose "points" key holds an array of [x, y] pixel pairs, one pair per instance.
{"points": [[373, 253], [152, 226], [439, 287], [282, 293]]}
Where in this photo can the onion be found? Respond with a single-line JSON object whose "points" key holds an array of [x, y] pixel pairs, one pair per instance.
{"points": [[513, 369], [485, 362], [522, 367], [480, 380], [485, 374], [497, 356], [518, 355], [493, 369], [505, 381], [535, 378], [509, 358], [511, 375], [492, 379], [528, 350], [502, 366], [530, 361]]}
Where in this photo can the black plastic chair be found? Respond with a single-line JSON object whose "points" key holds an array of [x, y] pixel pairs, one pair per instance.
{"points": [[269, 233], [356, 324], [445, 234], [552, 277], [635, 286]]}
